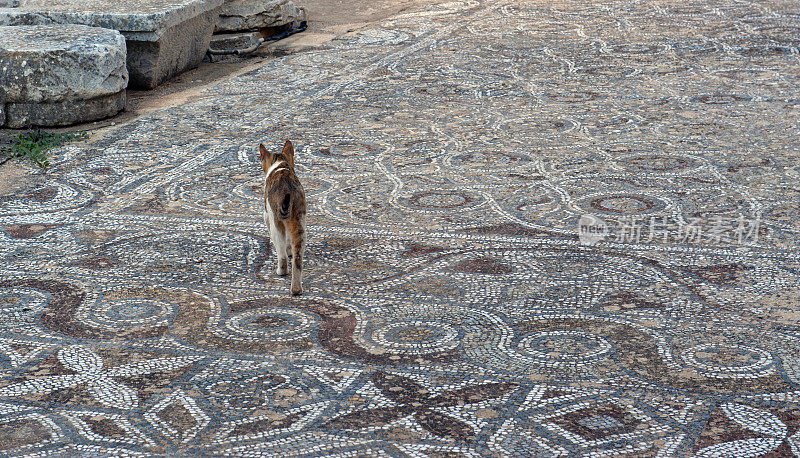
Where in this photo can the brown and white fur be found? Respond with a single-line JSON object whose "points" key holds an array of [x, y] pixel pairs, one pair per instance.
{"points": [[285, 211]]}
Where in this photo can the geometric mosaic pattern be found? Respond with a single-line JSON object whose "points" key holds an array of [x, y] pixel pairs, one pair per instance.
{"points": [[450, 309]]}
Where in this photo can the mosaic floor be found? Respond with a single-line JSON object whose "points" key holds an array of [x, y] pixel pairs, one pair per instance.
{"points": [[451, 308]]}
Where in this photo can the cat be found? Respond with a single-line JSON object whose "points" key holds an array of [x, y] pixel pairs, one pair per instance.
{"points": [[285, 211]]}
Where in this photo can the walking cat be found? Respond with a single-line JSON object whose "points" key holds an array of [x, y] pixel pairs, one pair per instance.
{"points": [[285, 211]]}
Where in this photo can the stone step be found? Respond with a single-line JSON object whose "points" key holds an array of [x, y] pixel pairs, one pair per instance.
{"points": [[54, 75], [164, 37], [231, 42], [226, 45], [244, 24], [253, 15]]}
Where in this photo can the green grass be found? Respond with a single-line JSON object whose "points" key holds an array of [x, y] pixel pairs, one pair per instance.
{"points": [[34, 145]]}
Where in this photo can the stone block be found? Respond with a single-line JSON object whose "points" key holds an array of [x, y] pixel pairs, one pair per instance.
{"points": [[179, 48], [61, 74], [164, 37], [234, 41], [55, 63], [228, 42], [250, 15], [64, 113]]}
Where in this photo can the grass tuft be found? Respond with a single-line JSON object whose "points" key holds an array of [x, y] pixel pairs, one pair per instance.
{"points": [[35, 144]]}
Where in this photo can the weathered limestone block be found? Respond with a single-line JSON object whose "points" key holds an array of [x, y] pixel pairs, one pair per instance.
{"points": [[64, 113], [164, 37], [53, 63], [61, 74], [179, 48], [244, 15]]}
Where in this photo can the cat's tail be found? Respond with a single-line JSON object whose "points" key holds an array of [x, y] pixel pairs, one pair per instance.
{"points": [[286, 207]]}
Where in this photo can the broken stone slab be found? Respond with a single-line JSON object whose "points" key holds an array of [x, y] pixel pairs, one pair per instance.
{"points": [[164, 37], [229, 41], [251, 15], [61, 74]]}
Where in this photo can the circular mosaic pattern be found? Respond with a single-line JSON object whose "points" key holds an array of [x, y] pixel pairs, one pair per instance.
{"points": [[564, 345], [127, 313], [764, 51], [532, 200], [532, 204], [19, 298], [408, 334], [657, 162], [360, 200], [271, 324], [612, 123], [719, 99], [729, 361], [535, 127], [638, 48], [208, 195], [440, 199], [488, 158], [345, 149], [601, 70], [417, 337], [622, 204], [123, 312], [19, 307], [212, 256], [53, 197], [574, 97]]}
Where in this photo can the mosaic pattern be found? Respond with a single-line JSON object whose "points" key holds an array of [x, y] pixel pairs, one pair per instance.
{"points": [[450, 310]]}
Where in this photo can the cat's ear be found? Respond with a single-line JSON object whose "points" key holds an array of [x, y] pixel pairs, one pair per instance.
{"points": [[288, 149], [262, 151]]}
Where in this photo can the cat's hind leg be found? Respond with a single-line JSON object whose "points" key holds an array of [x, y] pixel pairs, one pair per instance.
{"points": [[297, 234], [277, 235]]}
